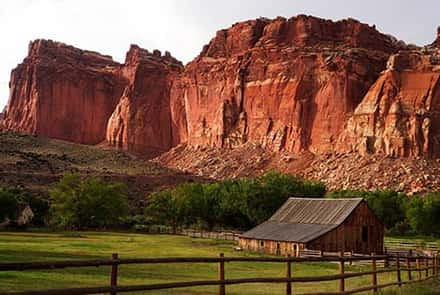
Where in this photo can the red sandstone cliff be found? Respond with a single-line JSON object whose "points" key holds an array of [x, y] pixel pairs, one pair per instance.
{"points": [[287, 84], [400, 115], [63, 92], [302, 84], [141, 120]]}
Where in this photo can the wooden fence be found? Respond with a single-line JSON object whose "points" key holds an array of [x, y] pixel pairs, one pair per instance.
{"points": [[392, 245], [405, 245], [423, 267], [219, 235]]}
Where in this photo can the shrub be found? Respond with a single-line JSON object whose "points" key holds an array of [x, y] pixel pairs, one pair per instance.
{"points": [[89, 203], [12, 200], [136, 222], [9, 203]]}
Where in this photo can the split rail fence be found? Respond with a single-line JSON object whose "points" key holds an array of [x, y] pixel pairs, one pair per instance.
{"points": [[391, 245], [418, 268], [218, 235]]}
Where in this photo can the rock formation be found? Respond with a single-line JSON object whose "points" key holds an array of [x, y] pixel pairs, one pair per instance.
{"points": [[287, 84], [63, 92], [298, 85], [436, 43], [141, 120], [400, 115]]}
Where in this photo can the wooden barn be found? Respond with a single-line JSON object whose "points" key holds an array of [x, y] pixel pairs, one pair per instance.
{"points": [[331, 225]]}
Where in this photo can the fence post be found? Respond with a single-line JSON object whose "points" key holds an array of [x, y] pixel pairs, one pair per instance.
{"points": [[341, 272], [399, 277], [288, 276], [427, 266], [437, 263], [434, 267], [114, 274], [351, 256], [386, 262], [221, 275], [374, 269], [408, 266], [419, 272]]}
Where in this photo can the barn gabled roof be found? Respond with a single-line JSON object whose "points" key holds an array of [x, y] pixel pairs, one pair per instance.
{"points": [[304, 219]]}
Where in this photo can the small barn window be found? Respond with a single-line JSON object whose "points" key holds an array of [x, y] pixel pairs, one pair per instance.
{"points": [[365, 234], [261, 243], [278, 245]]}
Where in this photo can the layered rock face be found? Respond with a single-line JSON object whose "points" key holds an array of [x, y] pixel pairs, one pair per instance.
{"points": [[400, 115], [287, 84], [141, 120], [294, 85], [63, 92]]}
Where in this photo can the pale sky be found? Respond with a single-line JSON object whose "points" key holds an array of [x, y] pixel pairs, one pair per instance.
{"points": [[182, 26]]}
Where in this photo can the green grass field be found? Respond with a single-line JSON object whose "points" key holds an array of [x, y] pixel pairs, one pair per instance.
{"points": [[43, 246]]}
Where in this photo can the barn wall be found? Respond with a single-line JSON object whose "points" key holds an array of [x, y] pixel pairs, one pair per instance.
{"points": [[270, 247], [348, 236]]}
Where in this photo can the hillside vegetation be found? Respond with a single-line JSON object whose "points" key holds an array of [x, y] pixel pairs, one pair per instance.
{"points": [[37, 163]]}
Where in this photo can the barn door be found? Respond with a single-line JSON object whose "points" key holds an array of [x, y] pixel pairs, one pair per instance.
{"points": [[365, 238]]}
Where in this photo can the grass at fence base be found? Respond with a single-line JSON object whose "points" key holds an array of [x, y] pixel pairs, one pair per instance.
{"points": [[40, 246], [431, 287]]}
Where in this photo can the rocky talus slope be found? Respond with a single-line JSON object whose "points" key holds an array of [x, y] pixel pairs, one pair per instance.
{"points": [[337, 170]]}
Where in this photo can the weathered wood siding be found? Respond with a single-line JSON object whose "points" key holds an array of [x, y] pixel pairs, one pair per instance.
{"points": [[271, 247], [348, 236]]}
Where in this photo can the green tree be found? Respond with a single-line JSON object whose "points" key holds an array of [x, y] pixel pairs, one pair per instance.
{"points": [[9, 203], [89, 203], [234, 203], [267, 193], [388, 205], [231, 197], [190, 202], [12, 200], [162, 209], [423, 214]]}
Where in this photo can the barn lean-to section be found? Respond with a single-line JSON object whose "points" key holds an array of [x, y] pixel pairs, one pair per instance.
{"points": [[331, 225]]}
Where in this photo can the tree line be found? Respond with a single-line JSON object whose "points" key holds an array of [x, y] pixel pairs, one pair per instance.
{"points": [[85, 203], [401, 214], [235, 204]]}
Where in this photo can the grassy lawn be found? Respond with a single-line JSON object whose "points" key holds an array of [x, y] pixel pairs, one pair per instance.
{"points": [[431, 287], [43, 246]]}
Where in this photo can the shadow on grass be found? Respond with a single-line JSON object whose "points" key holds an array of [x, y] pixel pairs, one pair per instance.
{"points": [[37, 256]]}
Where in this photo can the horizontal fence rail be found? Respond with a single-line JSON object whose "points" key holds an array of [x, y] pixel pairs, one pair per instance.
{"points": [[425, 267], [108, 262], [392, 245], [194, 233], [405, 244]]}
